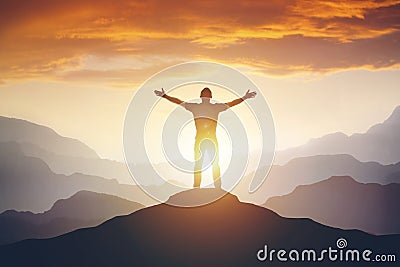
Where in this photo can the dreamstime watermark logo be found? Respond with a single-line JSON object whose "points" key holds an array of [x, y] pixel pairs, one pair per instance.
{"points": [[341, 243], [138, 130], [340, 253]]}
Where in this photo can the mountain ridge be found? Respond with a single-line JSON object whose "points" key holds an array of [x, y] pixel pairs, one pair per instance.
{"points": [[223, 233], [380, 143], [64, 164], [64, 155], [343, 202], [283, 179], [83, 209], [24, 179], [20, 130]]}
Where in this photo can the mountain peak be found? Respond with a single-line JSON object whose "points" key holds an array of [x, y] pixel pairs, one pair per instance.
{"points": [[333, 135], [379, 143], [88, 204], [200, 196], [365, 206], [23, 131], [341, 179], [332, 182], [322, 158], [395, 116]]}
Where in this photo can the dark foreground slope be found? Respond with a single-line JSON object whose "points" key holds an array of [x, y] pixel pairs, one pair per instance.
{"points": [[224, 233]]}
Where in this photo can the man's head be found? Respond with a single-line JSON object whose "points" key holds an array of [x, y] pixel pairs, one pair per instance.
{"points": [[206, 92]]}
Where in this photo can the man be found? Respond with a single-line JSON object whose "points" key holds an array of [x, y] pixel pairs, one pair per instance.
{"points": [[206, 117]]}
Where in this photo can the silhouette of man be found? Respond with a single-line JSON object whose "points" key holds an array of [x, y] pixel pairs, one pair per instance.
{"points": [[206, 117]]}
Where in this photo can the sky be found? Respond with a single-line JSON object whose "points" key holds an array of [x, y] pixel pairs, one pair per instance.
{"points": [[323, 66]]}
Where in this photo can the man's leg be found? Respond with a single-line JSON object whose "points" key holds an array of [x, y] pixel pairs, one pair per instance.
{"points": [[216, 175], [216, 169], [198, 164]]}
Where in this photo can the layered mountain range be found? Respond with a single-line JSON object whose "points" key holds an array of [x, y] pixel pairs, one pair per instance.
{"points": [[342, 202], [84, 209], [223, 233], [381, 143]]}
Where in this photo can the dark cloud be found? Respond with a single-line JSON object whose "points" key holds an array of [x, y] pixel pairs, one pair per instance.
{"points": [[44, 37], [285, 55]]}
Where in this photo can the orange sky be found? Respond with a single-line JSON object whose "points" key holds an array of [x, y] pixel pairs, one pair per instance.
{"points": [[91, 55]]}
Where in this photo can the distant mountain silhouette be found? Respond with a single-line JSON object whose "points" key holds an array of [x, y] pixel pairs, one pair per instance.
{"points": [[84, 209], [381, 143], [22, 131], [224, 233], [393, 177], [27, 183], [342, 202], [68, 165], [62, 154], [307, 170]]}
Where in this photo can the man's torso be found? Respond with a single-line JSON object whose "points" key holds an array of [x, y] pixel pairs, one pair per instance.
{"points": [[205, 117]]}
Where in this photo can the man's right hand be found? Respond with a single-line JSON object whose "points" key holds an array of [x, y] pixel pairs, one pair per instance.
{"points": [[160, 93]]}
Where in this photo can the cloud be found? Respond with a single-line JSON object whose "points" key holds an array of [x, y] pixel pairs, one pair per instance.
{"points": [[339, 8], [120, 75], [299, 53], [45, 38]]}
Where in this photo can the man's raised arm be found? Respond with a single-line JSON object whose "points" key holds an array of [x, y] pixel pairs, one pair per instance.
{"points": [[240, 100], [161, 93]]}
